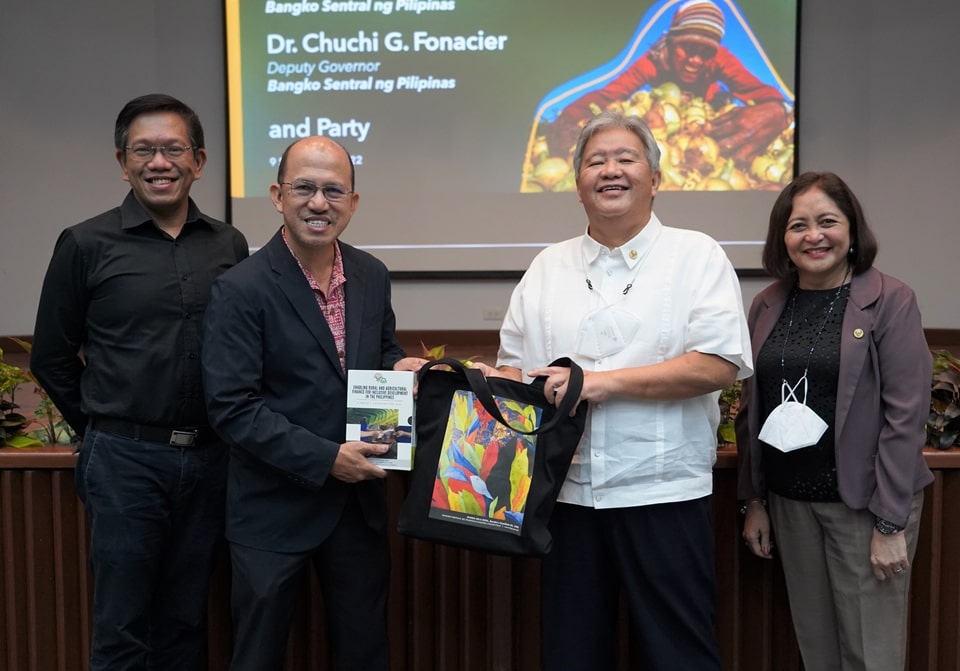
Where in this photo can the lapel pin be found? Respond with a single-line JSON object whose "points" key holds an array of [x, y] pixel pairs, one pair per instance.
{"points": [[857, 333]]}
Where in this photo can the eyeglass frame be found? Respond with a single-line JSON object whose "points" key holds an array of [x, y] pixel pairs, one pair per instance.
{"points": [[342, 193], [163, 150]]}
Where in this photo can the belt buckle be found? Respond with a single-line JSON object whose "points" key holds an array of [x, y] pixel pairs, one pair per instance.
{"points": [[183, 437]]}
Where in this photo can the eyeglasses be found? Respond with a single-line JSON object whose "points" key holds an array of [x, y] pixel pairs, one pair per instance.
{"points": [[147, 153], [308, 190]]}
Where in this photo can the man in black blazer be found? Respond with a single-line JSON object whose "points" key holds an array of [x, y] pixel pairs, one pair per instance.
{"points": [[281, 331]]}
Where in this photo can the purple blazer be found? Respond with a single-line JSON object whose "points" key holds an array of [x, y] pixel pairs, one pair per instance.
{"points": [[883, 397]]}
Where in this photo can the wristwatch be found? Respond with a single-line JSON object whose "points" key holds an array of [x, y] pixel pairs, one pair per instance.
{"points": [[746, 504], [885, 527]]}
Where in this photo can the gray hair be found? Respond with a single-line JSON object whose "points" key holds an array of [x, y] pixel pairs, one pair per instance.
{"points": [[634, 124]]}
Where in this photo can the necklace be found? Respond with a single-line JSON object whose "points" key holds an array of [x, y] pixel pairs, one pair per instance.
{"points": [[786, 338]]}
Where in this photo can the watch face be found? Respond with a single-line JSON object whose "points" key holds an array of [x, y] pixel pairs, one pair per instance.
{"points": [[885, 527]]}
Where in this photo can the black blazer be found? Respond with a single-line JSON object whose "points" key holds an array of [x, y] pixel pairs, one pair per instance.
{"points": [[276, 394]]}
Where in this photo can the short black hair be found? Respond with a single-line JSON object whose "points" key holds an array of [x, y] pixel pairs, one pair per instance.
{"points": [[863, 243], [156, 102]]}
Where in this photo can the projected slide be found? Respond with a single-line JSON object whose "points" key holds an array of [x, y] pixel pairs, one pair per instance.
{"points": [[461, 116]]}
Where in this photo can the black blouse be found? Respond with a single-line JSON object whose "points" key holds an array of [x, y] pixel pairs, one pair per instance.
{"points": [[810, 473]]}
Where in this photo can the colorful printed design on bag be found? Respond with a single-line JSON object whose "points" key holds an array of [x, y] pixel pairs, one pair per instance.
{"points": [[484, 471]]}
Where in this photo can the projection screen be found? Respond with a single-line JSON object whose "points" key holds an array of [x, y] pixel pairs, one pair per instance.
{"points": [[459, 115]]}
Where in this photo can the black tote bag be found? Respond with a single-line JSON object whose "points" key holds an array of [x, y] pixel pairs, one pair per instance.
{"points": [[491, 457]]}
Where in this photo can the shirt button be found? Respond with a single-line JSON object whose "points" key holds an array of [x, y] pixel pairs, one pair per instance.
{"points": [[187, 315], [596, 453], [191, 356]]}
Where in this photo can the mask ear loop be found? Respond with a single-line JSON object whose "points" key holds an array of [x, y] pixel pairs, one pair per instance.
{"points": [[789, 393]]}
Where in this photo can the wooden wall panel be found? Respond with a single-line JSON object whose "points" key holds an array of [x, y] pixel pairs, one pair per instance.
{"points": [[450, 610], [44, 598]]}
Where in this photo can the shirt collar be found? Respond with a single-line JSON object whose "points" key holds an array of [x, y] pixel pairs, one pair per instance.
{"points": [[336, 277], [133, 214], [632, 251]]}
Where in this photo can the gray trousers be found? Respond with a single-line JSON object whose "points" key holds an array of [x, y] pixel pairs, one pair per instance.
{"points": [[845, 619]]}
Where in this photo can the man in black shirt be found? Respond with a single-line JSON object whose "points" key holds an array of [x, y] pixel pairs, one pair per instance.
{"points": [[117, 348]]}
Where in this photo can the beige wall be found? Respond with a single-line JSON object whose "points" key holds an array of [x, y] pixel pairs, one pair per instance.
{"points": [[876, 107]]}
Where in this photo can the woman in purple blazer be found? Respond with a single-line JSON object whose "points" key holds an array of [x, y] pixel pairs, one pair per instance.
{"points": [[830, 431]]}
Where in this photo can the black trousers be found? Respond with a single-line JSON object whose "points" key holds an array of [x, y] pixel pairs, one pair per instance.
{"points": [[660, 557], [352, 565]]}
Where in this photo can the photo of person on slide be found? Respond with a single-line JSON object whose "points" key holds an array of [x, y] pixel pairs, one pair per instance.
{"points": [[721, 126]]}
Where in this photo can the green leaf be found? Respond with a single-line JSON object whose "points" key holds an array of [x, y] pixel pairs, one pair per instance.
{"points": [[727, 433], [433, 353], [23, 441]]}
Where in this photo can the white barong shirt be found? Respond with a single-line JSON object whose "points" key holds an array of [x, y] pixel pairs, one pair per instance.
{"points": [[683, 296]]}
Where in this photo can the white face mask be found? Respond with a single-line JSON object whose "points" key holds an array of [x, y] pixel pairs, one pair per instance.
{"points": [[792, 425], [605, 332]]}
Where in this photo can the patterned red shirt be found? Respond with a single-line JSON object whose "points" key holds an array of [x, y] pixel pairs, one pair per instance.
{"points": [[332, 305]]}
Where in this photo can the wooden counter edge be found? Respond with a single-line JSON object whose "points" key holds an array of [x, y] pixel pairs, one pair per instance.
{"points": [[62, 456]]}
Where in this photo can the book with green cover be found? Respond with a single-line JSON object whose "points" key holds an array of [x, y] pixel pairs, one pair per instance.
{"points": [[380, 409]]}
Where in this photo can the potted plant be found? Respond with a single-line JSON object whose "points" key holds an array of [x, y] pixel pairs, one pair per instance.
{"points": [[17, 430], [12, 423], [729, 405], [943, 425]]}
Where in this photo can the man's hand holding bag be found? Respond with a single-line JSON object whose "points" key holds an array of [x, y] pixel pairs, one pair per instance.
{"points": [[491, 457]]}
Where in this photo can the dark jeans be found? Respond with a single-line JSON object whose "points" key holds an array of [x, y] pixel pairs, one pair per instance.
{"points": [[156, 516]]}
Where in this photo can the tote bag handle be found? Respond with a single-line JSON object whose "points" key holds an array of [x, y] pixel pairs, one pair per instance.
{"points": [[478, 384]]}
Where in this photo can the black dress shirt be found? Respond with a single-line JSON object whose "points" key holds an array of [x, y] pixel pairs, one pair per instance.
{"points": [[120, 319]]}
